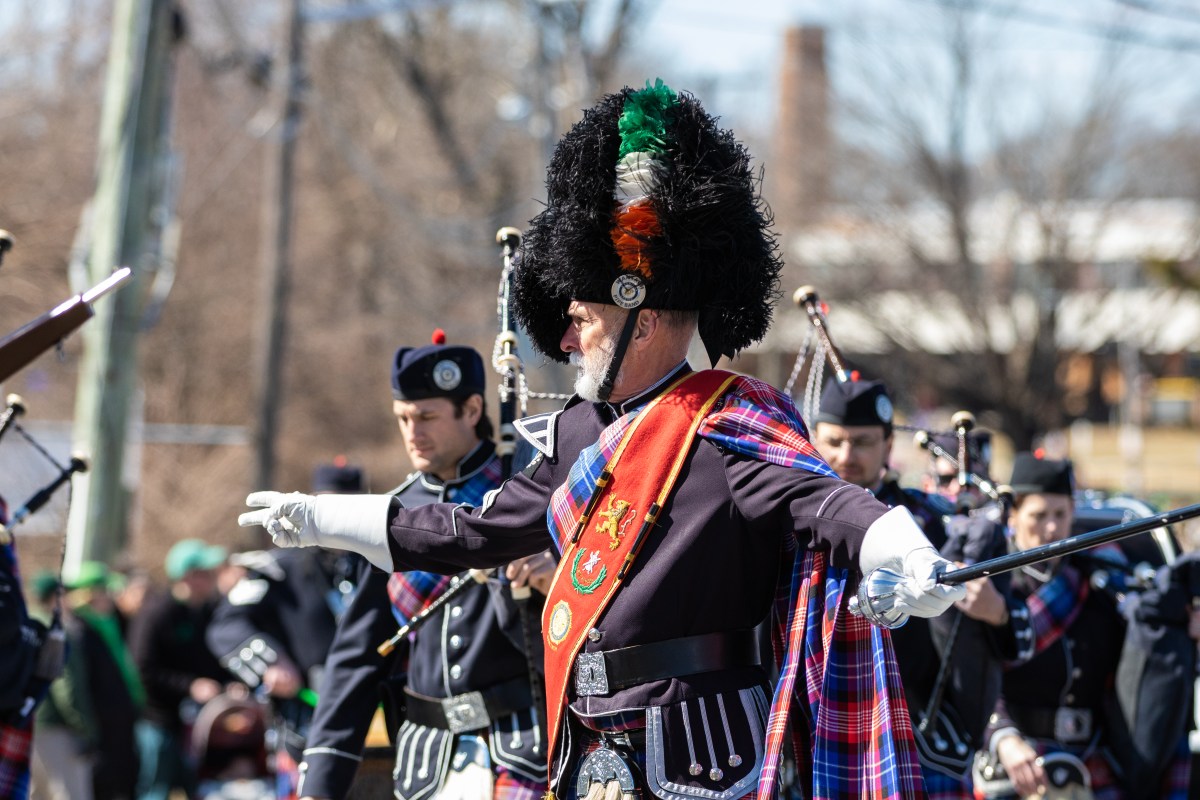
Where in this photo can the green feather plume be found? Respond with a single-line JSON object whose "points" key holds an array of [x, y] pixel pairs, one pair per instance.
{"points": [[643, 122]]}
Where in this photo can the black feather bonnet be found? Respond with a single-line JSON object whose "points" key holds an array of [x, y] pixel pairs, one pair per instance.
{"points": [[698, 236]]}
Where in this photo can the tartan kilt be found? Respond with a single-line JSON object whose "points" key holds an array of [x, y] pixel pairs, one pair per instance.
{"points": [[16, 744]]}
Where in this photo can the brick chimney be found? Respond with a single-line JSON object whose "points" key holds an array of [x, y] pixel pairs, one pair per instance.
{"points": [[799, 176]]}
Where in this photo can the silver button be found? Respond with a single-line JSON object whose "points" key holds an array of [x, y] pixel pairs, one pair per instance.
{"points": [[456, 612], [1077, 672], [456, 641], [594, 635], [456, 671], [1069, 698]]}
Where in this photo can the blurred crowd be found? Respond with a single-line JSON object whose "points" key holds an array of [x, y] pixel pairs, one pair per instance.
{"points": [[145, 706]]}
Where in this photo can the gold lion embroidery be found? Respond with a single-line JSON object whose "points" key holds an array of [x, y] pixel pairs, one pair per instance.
{"points": [[617, 509]]}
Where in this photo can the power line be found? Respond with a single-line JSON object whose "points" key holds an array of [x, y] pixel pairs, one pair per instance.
{"points": [[1177, 13], [1112, 33]]}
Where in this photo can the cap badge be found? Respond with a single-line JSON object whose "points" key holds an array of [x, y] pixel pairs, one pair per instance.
{"points": [[628, 291], [447, 375], [883, 408]]}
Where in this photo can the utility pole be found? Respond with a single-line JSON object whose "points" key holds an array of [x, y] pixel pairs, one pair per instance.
{"points": [[134, 131], [276, 245]]}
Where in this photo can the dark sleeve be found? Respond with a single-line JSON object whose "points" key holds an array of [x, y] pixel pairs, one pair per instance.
{"points": [[824, 512], [520, 620], [1000, 724], [242, 636], [448, 538], [20, 640], [349, 690]]}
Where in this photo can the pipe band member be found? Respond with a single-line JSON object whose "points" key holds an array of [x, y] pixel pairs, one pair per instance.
{"points": [[463, 675], [688, 506]]}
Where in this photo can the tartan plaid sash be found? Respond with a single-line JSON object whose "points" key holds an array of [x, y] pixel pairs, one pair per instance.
{"points": [[411, 591], [855, 734], [1055, 605]]}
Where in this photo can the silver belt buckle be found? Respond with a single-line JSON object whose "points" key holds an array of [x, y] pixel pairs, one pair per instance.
{"points": [[1072, 725], [591, 678], [465, 712]]}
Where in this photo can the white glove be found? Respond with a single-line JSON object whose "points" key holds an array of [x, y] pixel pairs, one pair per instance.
{"points": [[895, 542], [354, 522]]}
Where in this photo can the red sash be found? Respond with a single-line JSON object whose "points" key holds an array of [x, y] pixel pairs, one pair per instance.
{"points": [[600, 551]]}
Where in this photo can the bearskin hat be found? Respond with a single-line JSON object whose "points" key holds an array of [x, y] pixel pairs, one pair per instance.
{"points": [[650, 205]]}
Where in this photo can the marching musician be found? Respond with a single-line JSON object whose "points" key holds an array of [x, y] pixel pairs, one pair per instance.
{"points": [[687, 506], [273, 629], [1053, 728], [854, 427], [941, 478], [467, 655]]}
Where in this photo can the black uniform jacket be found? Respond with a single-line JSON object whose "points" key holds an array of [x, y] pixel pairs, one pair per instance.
{"points": [[1071, 680], [474, 643], [709, 566], [966, 655], [286, 607]]}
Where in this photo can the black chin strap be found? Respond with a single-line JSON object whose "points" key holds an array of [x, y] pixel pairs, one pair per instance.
{"points": [[614, 366]]}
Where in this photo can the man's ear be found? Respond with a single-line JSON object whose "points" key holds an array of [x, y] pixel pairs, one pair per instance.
{"points": [[648, 323], [473, 408]]}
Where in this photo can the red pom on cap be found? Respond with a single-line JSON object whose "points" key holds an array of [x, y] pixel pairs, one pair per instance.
{"points": [[340, 461], [439, 336], [854, 376], [1039, 453]]}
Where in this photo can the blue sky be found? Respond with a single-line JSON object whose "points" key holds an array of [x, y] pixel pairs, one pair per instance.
{"points": [[730, 52]]}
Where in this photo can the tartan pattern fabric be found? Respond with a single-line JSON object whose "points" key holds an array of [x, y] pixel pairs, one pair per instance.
{"points": [[940, 786], [855, 735], [411, 591], [16, 742], [511, 786], [568, 501], [759, 421], [1055, 605]]}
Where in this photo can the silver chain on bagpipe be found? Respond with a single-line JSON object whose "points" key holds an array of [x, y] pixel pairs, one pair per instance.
{"points": [[505, 359]]}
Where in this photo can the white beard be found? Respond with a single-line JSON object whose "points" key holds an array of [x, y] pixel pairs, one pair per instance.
{"points": [[591, 370]]}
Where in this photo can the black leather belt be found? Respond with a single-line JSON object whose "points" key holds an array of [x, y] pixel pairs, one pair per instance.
{"points": [[1064, 724], [610, 670], [470, 711]]}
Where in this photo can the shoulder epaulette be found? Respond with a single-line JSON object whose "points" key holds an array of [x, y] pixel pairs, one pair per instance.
{"points": [[248, 591], [539, 431], [412, 478]]}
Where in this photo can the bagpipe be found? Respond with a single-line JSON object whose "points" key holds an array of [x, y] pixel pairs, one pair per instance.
{"points": [[43, 647], [963, 423], [514, 394], [18, 349], [1116, 523], [876, 598]]}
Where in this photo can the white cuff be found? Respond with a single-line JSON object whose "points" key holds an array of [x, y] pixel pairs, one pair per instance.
{"points": [[889, 539], [355, 522]]}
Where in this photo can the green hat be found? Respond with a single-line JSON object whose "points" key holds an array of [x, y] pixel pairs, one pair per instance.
{"points": [[43, 584], [89, 575], [190, 554]]}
